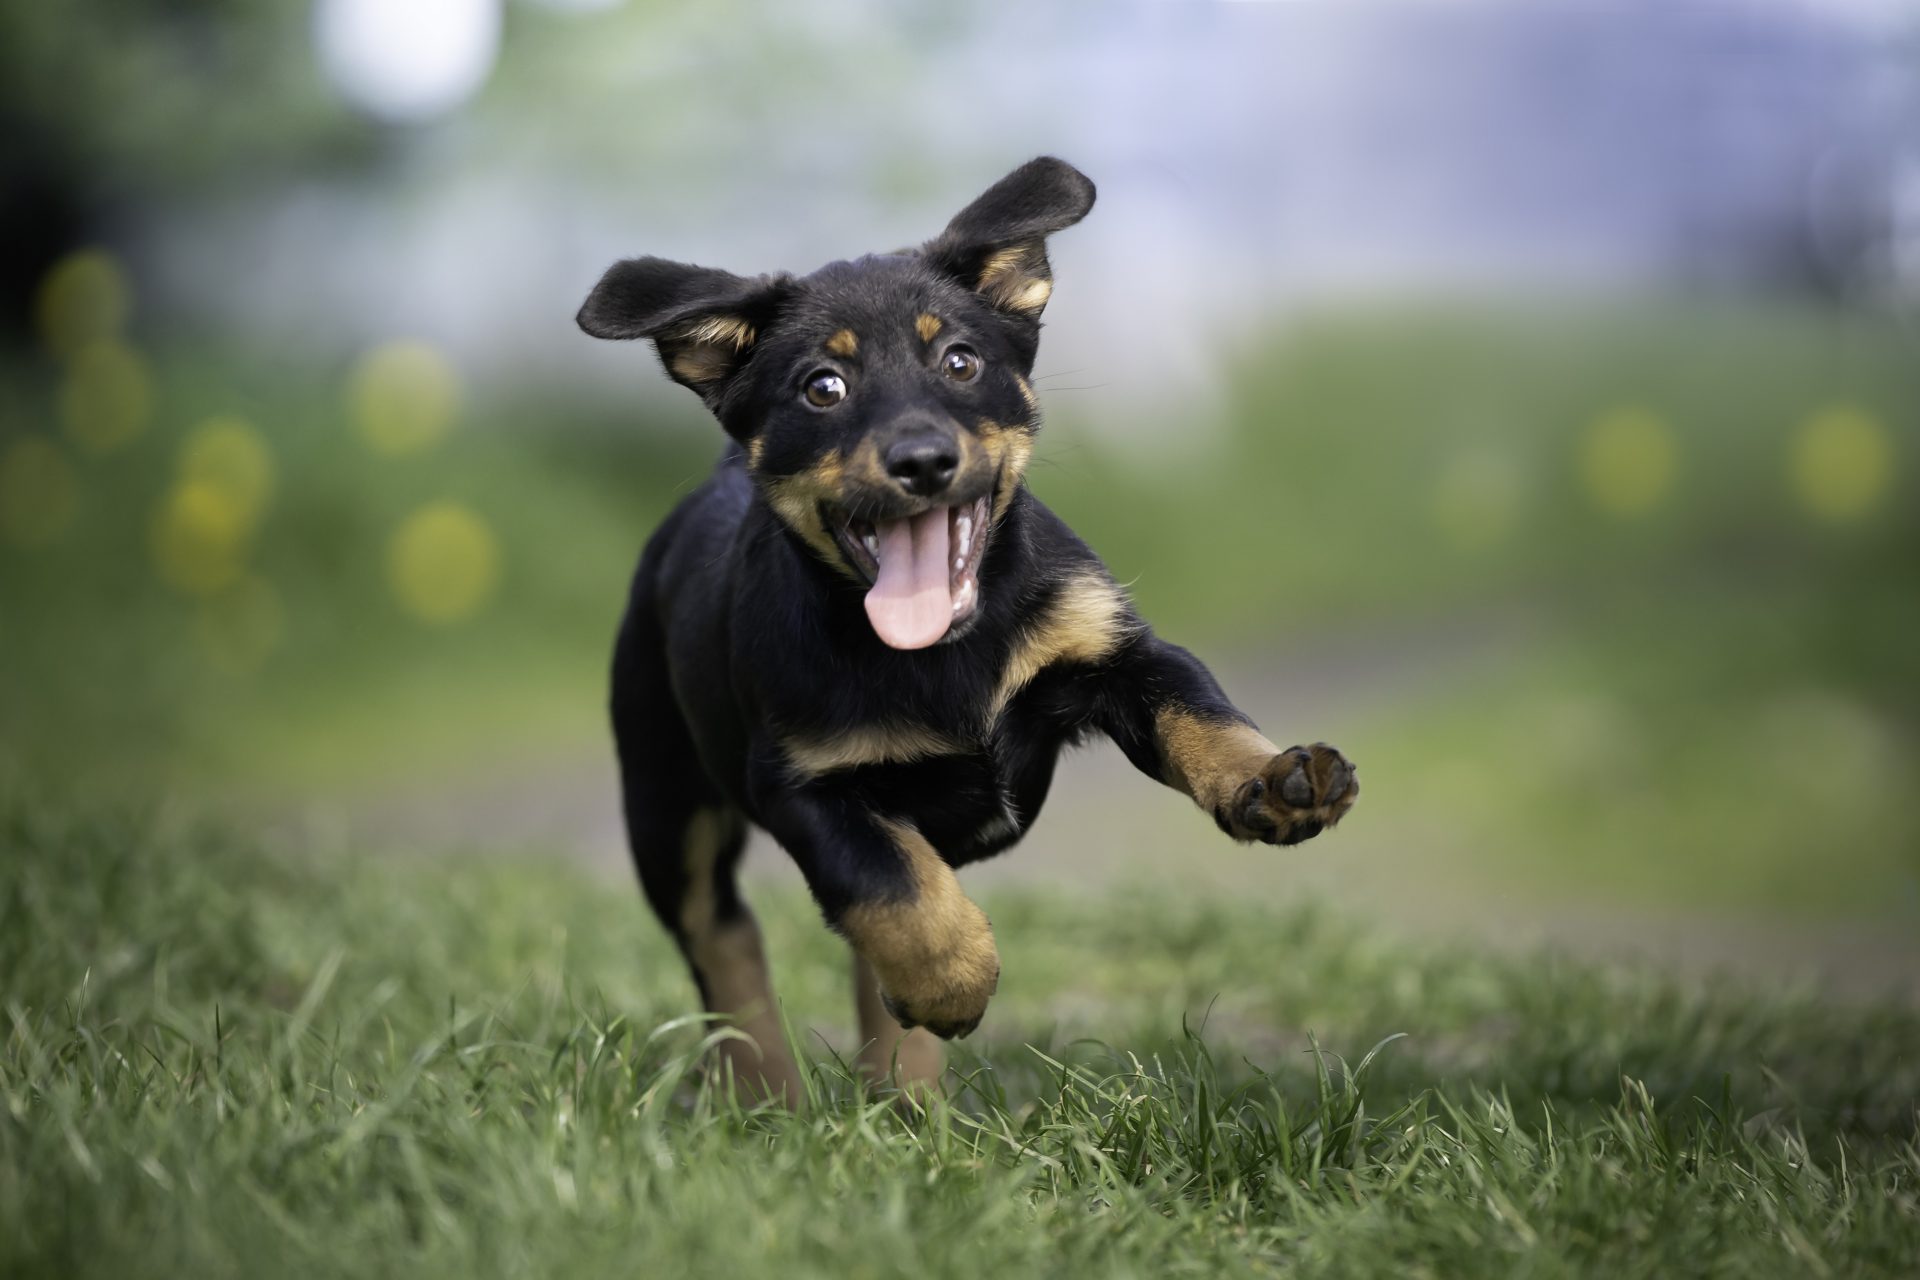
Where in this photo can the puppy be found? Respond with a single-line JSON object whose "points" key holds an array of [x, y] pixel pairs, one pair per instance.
{"points": [[864, 634]]}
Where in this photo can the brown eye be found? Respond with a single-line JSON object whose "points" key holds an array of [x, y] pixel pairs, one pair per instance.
{"points": [[825, 389], [962, 364]]}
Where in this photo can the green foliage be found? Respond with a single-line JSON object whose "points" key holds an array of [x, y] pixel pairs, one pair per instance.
{"points": [[217, 1061], [139, 97]]}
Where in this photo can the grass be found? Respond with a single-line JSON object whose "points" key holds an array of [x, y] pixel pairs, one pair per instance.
{"points": [[219, 1058]]}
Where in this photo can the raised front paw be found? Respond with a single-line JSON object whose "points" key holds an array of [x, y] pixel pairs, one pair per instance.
{"points": [[948, 997], [1298, 794]]}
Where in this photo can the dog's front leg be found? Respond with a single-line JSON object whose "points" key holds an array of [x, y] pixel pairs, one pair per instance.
{"points": [[885, 889], [1167, 713]]}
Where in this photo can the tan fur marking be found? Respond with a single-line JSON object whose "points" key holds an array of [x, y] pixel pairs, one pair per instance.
{"points": [[844, 344], [756, 448], [1082, 624], [1029, 296], [730, 331], [702, 362], [1026, 393], [1015, 279], [927, 326], [733, 969], [865, 467], [933, 953], [1001, 265], [868, 744], [1009, 449], [796, 499], [1209, 759], [910, 1060], [705, 349]]}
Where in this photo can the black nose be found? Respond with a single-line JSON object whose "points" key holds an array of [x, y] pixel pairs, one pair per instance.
{"points": [[923, 464]]}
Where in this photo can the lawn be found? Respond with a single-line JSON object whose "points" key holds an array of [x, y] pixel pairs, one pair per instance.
{"points": [[222, 1058], [1615, 610]]}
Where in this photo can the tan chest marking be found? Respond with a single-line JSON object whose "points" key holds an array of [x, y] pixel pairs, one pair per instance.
{"points": [[867, 745], [1085, 622]]}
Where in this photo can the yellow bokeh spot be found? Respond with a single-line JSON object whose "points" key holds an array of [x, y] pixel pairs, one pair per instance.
{"points": [[84, 298], [443, 563], [241, 625], [1476, 500], [1628, 461], [37, 497], [107, 396], [403, 397], [1841, 464], [230, 456], [199, 538]]}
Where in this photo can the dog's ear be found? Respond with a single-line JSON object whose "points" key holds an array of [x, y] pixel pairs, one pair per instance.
{"points": [[702, 320], [997, 246]]}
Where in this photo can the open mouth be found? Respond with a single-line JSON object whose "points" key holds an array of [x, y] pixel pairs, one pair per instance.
{"points": [[925, 569]]}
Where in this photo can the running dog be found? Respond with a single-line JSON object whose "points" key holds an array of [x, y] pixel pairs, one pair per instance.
{"points": [[864, 634]]}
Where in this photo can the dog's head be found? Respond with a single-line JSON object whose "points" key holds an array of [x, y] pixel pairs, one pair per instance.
{"points": [[883, 403]]}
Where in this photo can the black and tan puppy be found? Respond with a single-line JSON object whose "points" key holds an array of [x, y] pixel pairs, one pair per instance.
{"points": [[866, 636]]}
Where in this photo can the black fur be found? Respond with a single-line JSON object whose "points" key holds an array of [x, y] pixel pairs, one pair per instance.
{"points": [[745, 628]]}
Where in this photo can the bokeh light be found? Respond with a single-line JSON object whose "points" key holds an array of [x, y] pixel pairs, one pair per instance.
{"points": [[403, 397], [83, 299], [229, 455], [443, 563], [241, 626], [1476, 499], [37, 492], [199, 538], [407, 62], [107, 396], [1841, 464], [1628, 461]]}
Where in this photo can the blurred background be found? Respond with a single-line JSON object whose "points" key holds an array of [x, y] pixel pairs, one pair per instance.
{"points": [[1523, 397]]}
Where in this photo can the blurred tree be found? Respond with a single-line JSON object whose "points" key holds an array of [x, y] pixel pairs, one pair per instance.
{"points": [[108, 104]]}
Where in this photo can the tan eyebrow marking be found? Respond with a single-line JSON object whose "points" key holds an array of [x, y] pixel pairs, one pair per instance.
{"points": [[927, 326], [843, 344]]}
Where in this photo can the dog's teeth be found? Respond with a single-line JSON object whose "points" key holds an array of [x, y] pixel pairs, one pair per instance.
{"points": [[965, 526], [872, 545], [960, 561]]}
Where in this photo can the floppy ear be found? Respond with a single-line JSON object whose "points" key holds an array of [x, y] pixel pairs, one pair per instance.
{"points": [[997, 246], [702, 320]]}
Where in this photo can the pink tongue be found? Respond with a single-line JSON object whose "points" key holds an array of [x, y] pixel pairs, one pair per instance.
{"points": [[910, 605]]}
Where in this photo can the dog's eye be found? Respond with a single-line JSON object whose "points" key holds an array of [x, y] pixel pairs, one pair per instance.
{"points": [[825, 389], [962, 364]]}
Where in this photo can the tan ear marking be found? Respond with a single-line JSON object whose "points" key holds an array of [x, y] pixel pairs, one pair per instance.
{"points": [[927, 326], [1002, 264], [700, 362], [1030, 296], [729, 331], [705, 349], [843, 343]]}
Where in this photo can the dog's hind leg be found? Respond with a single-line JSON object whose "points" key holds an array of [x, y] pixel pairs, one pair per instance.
{"points": [[911, 1060], [686, 842]]}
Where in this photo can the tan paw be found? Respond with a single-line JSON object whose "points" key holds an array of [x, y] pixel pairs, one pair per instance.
{"points": [[1300, 793], [948, 996]]}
